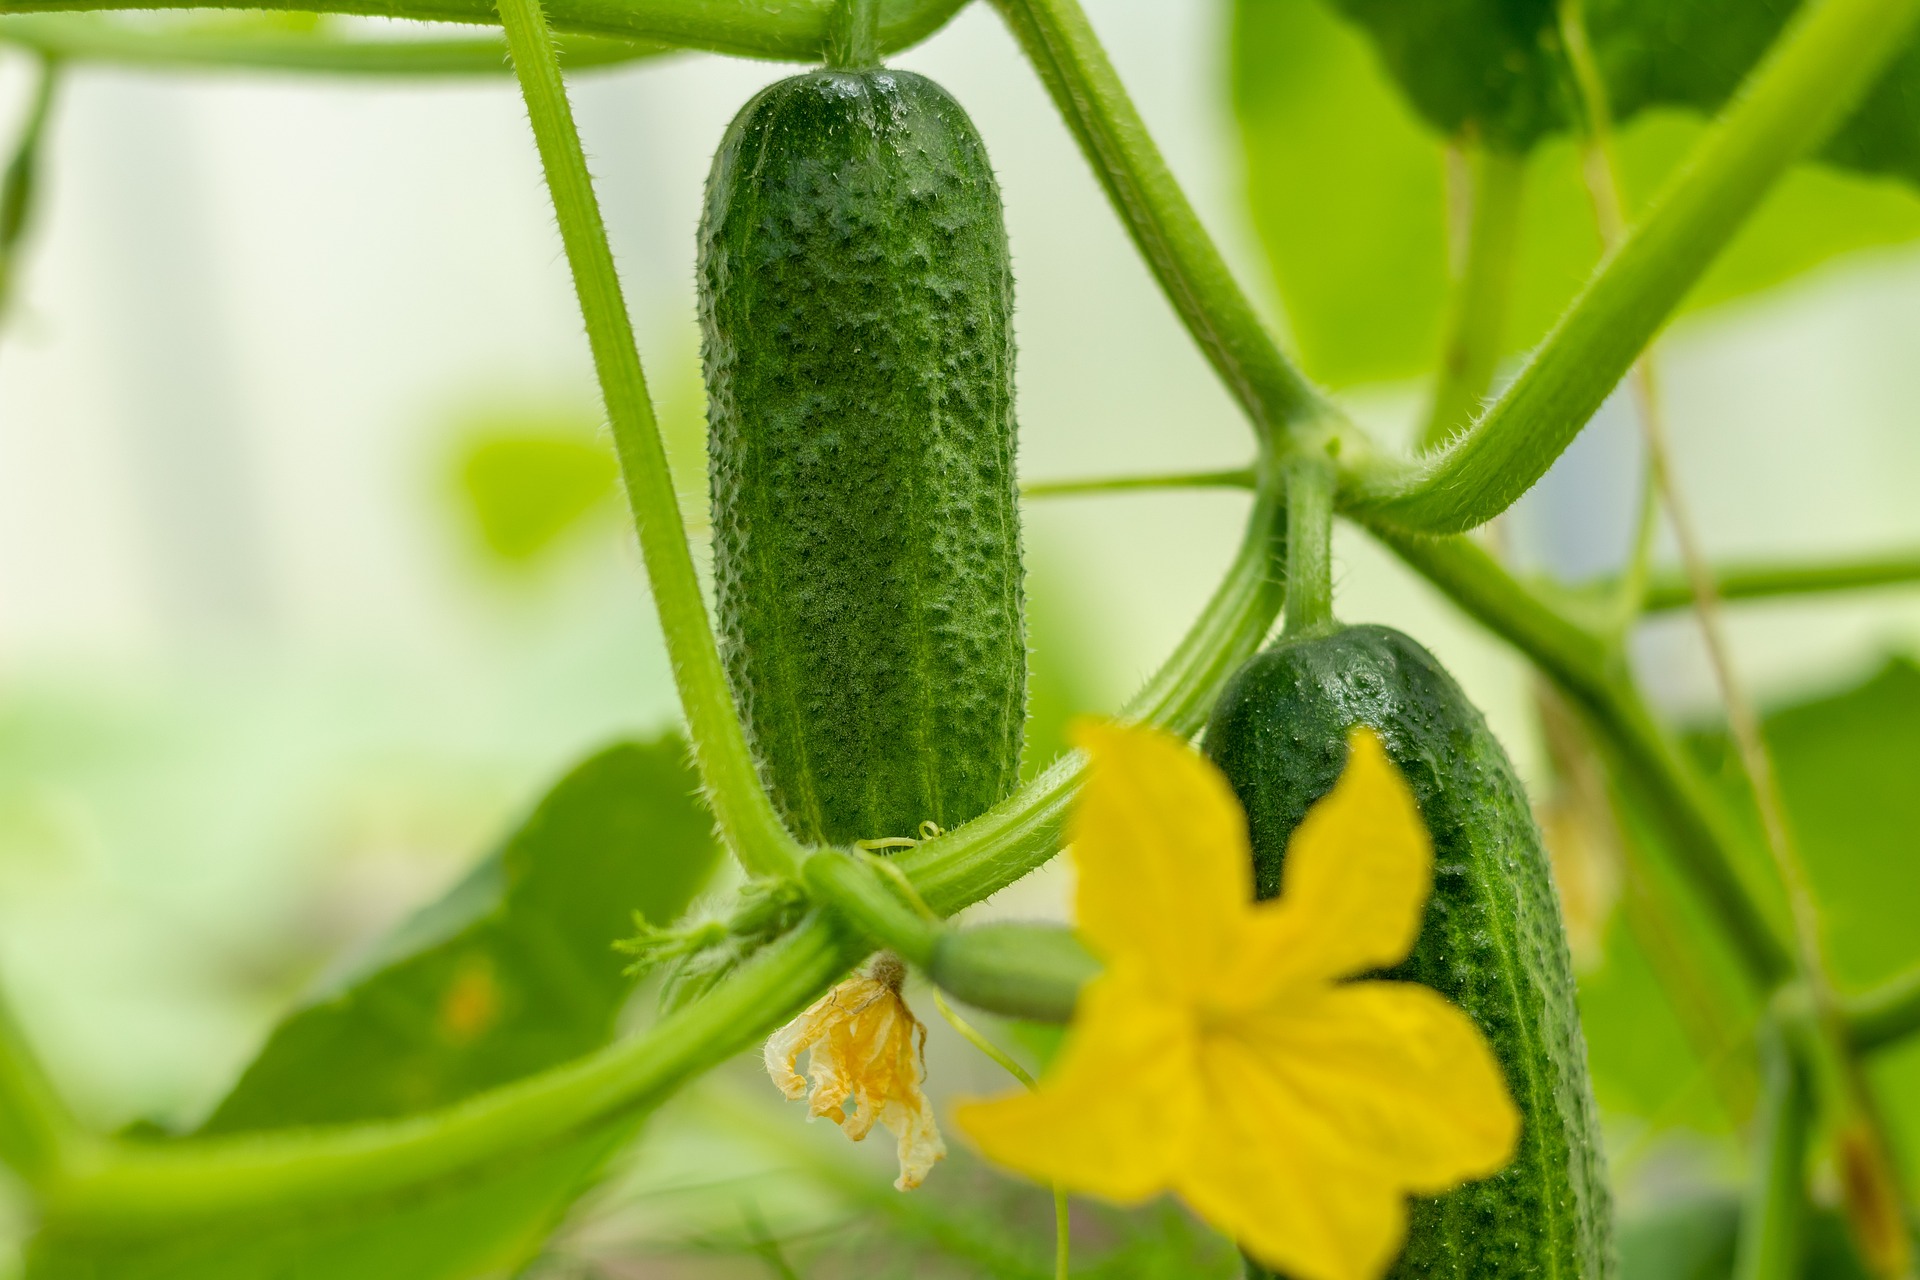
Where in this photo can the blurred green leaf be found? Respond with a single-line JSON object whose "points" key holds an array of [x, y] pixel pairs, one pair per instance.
{"points": [[1495, 69], [1693, 1238], [526, 485], [511, 972], [1846, 762], [1348, 192], [1646, 1060]]}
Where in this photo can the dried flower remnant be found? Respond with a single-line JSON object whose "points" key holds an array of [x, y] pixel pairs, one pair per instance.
{"points": [[866, 1046]]}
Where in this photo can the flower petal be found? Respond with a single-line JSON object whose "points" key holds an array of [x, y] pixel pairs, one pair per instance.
{"points": [[1112, 1115], [1392, 1075], [1160, 847], [917, 1137], [1354, 886], [864, 1046], [1286, 1187]]}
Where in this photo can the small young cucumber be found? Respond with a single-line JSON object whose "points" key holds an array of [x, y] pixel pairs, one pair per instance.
{"points": [[1492, 941], [856, 304]]}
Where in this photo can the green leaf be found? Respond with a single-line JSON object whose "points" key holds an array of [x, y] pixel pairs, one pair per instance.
{"points": [[1496, 71], [1347, 192], [527, 484], [1347, 184], [511, 972]]}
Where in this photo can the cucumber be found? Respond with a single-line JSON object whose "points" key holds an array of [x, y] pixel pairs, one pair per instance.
{"points": [[1492, 940], [856, 305]]}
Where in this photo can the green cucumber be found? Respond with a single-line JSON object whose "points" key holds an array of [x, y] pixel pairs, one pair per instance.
{"points": [[856, 305], [1492, 941]]}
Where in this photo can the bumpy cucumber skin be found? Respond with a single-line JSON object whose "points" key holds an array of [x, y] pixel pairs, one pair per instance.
{"points": [[1493, 941], [856, 302]]}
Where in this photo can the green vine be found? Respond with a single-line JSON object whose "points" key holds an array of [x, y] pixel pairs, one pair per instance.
{"points": [[235, 46], [1476, 320], [1820, 67], [745, 814], [795, 30]]}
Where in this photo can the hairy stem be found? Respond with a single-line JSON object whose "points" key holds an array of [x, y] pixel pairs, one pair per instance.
{"points": [[745, 815], [853, 44], [1477, 312], [231, 47], [1064, 50], [791, 30], [1818, 69], [1309, 545], [134, 1185], [124, 1185], [1853, 1096]]}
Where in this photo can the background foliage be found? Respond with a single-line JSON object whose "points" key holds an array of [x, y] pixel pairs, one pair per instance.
{"points": [[149, 775]]}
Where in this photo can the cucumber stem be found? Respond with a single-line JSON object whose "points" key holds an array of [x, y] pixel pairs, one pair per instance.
{"points": [[740, 807], [1773, 1219], [1309, 545], [853, 38]]}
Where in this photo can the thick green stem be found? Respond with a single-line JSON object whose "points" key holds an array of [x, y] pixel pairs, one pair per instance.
{"points": [[124, 1185], [745, 815], [1064, 50], [1590, 672], [1773, 1220], [1032, 971], [789, 30], [1476, 322], [1819, 68], [1310, 482], [860, 895], [230, 47], [854, 43], [164, 1185]]}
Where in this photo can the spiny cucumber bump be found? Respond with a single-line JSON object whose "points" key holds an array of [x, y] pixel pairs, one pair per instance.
{"points": [[856, 303]]}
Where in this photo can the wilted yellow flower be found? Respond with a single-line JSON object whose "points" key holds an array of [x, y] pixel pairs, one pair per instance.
{"points": [[865, 1045], [1224, 1054]]}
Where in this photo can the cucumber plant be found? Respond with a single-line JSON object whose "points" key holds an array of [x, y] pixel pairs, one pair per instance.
{"points": [[866, 680]]}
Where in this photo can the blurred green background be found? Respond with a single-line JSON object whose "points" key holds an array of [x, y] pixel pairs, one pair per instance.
{"points": [[314, 577]]}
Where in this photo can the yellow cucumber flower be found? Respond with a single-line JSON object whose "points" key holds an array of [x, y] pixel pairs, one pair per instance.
{"points": [[864, 1045], [1226, 1052]]}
